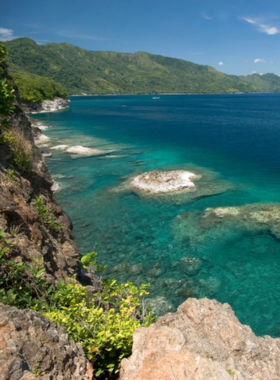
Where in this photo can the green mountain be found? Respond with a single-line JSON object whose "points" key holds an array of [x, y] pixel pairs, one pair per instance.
{"points": [[99, 72]]}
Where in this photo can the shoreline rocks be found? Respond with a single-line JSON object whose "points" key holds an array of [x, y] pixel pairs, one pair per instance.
{"points": [[41, 139], [85, 151], [60, 147], [46, 106], [164, 181]]}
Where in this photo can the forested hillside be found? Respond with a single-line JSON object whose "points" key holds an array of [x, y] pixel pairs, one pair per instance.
{"points": [[36, 89], [99, 72]]}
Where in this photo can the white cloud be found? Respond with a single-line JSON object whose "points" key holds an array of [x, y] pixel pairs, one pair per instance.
{"points": [[262, 26], [6, 34], [257, 60], [206, 16], [220, 63]]}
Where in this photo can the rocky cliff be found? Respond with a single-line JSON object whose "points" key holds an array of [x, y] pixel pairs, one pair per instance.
{"points": [[36, 229], [29, 234], [202, 341], [32, 347]]}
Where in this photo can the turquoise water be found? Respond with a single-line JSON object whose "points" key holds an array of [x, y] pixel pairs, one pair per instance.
{"points": [[232, 141]]}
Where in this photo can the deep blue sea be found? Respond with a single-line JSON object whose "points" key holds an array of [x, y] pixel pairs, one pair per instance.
{"points": [[232, 141]]}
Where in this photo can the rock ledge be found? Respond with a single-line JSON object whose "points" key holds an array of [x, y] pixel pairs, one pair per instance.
{"points": [[32, 347], [202, 341]]}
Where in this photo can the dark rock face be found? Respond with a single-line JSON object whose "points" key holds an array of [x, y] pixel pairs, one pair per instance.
{"points": [[33, 347], [202, 341], [19, 218]]}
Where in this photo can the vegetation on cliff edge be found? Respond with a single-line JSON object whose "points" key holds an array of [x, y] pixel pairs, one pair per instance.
{"points": [[36, 89], [102, 320]]}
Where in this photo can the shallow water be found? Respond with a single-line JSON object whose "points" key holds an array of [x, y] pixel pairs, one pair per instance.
{"points": [[231, 140]]}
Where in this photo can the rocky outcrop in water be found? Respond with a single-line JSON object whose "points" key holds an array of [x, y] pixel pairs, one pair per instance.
{"points": [[202, 341], [164, 182], [180, 185], [261, 217], [203, 227], [32, 347]]}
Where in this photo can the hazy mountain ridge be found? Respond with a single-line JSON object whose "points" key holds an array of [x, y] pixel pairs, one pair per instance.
{"points": [[101, 72]]}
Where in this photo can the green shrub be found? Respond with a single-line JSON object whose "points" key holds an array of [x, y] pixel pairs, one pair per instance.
{"points": [[22, 285], [47, 216], [102, 322], [20, 147], [10, 175]]}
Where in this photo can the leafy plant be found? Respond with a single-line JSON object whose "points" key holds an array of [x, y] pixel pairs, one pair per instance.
{"points": [[10, 175], [36, 369], [47, 216], [20, 148], [21, 284], [232, 374], [15, 230], [89, 260]]}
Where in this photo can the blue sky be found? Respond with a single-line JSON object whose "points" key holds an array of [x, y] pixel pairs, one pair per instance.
{"points": [[235, 37]]}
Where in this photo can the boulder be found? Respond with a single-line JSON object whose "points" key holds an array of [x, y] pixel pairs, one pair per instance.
{"points": [[33, 347], [203, 340]]}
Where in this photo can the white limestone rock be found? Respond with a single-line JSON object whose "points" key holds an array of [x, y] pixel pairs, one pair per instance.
{"points": [[164, 181], [49, 105], [60, 147], [84, 151], [41, 139]]}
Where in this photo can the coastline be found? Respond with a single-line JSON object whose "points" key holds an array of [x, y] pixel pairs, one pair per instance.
{"points": [[176, 224], [228, 331], [178, 93]]}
